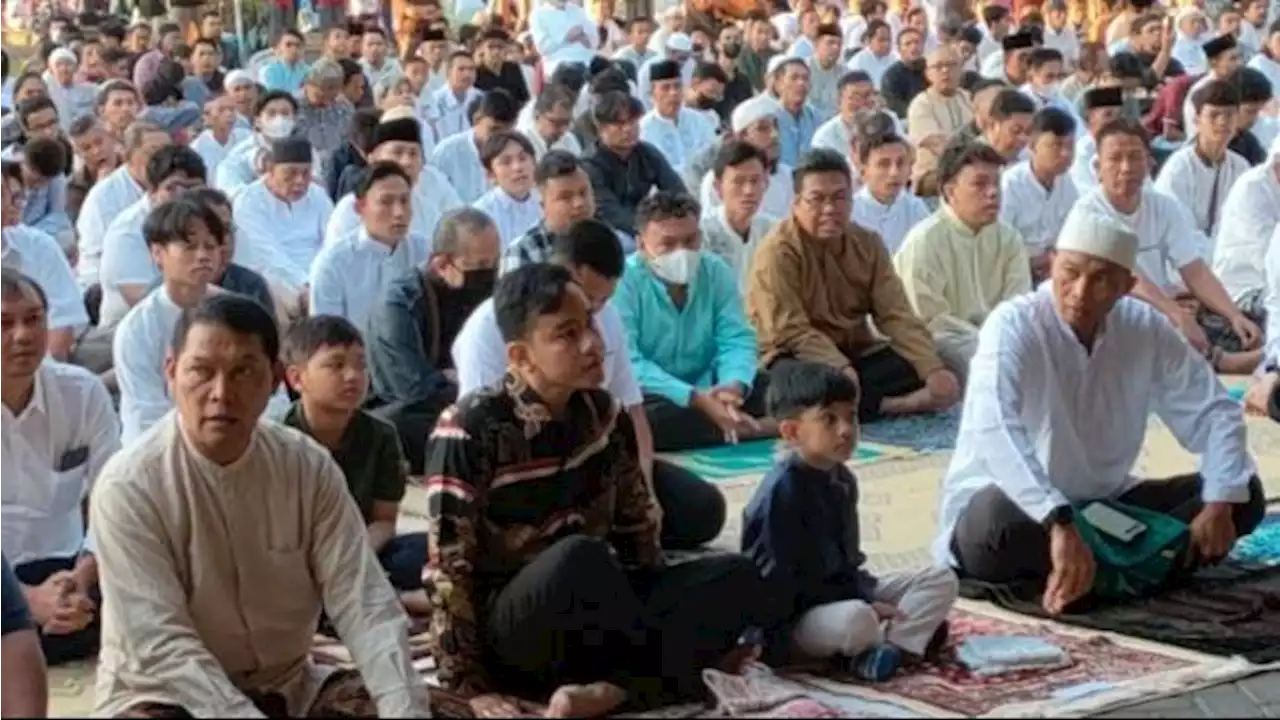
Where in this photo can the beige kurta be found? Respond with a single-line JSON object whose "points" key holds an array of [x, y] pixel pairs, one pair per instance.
{"points": [[932, 114], [213, 579]]}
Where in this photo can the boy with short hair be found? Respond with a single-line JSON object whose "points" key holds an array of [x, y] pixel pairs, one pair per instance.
{"points": [[801, 529], [325, 364], [1037, 193], [513, 202]]}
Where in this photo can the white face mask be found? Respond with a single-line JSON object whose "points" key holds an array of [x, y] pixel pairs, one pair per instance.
{"points": [[676, 267], [278, 127], [1048, 91]]}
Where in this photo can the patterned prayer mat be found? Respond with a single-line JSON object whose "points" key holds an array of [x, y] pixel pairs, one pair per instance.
{"points": [[921, 433], [1262, 547]]}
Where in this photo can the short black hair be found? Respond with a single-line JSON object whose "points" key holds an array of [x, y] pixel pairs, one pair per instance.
{"points": [[637, 20], [831, 29], [168, 27], [364, 127], [497, 105], [615, 79], [571, 75], [171, 160], [1055, 121], [310, 335], [733, 153], [496, 143], [456, 55], [289, 32], [874, 27], [665, 205], [182, 51], [31, 106], [215, 44], [377, 172], [374, 30], [238, 313], [554, 165], [617, 107], [527, 292], [14, 285], [853, 77], [1125, 127], [46, 156], [1010, 102], [168, 223], [590, 243], [350, 68], [957, 156], [271, 96], [1041, 56], [710, 71], [819, 162], [992, 14], [1127, 66], [1254, 86], [115, 31], [552, 97], [211, 197], [1216, 93], [796, 386], [870, 143]]}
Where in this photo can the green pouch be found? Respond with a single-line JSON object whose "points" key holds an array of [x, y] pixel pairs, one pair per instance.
{"points": [[1128, 570]]}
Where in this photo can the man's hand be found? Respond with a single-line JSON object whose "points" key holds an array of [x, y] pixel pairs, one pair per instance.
{"points": [[1190, 328], [1258, 398], [725, 417], [1213, 533], [729, 394], [73, 615], [1073, 568], [47, 598], [943, 387], [1248, 332], [887, 611], [935, 142]]}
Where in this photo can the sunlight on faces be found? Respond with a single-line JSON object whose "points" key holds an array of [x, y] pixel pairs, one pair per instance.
{"points": [[462, 73], [1011, 135], [204, 58], [660, 237], [408, 155], [823, 204], [1053, 154], [881, 42], [512, 170], [666, 96], [827, 434], [793, 85], [1229, 22], [974, 194], [639, 33], [742, 187], [828, 49], [416, 73], [120, 108], [244, 95], [335, 43], [562, 349], [387, 209], [211, 27], [566, 200], [42, 124], [195, 260], [1085, 288], [24, 327], [289, 49], [1122, 165], [887, 170], [942, 70], [337, 373], [1217, 124], [289, 181]]}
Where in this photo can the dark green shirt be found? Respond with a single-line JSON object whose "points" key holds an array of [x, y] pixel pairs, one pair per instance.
{"points": [[369, 455]]}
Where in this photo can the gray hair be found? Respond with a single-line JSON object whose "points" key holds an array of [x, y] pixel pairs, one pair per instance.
{"points": [[455, 226], [325, 74], [117, 85], [386, 84], [134, 134]]}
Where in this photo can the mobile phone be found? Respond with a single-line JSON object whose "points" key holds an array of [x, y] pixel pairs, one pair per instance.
{"points": [[1112, 522]]}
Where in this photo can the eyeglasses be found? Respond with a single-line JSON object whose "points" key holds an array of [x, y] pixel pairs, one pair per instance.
{"points": [[819, 202]]}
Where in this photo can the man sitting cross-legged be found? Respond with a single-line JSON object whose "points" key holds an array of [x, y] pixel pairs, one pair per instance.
{"points": [[693, 350], [816, 281], [222, 538], [59, 430], [325, 364], [543, 564], [1060, 390]]}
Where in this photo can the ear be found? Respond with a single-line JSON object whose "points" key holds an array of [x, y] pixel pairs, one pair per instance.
{"points": [[517, 354], [293, 377], [156, 252], [170, 371], [789, 430]]}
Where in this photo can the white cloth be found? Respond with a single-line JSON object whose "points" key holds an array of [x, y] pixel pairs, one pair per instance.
{"points": [[567, 142], [724, 241], [777, 197], [802, 48], [1270, 68], [834, 134], [236, 169], [1057, 100], [290, 234], [1190, 54], [1083, 174], [126, 260], [37, 255], [1271, 268], [891, 222], [458, 158], [550, 26], [637, 58], [105, 200], [73, 101], [348, 275], [447, 114], [53, 452], [1036, 213], [431, 199], [513, 216], [1249, 219], [1167, 235], [212, 152], [873, 65], [644, 86], [1185, 178], [1064, 41], [1189, 108], [480, 355], [390, 66], [679, 140], [1266, 129], [787, 25], [1051, 423]]}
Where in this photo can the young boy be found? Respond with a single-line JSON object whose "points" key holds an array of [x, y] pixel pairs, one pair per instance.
{"points": [[325, 364], [883, 204], [513, 203], [1038, 193], [801, 529]]}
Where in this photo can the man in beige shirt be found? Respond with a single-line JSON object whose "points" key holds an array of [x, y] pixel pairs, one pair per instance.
{"points": [[935, 115], [220, 541]]}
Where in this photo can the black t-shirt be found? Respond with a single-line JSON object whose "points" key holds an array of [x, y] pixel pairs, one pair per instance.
{"points": [[509, 78]]}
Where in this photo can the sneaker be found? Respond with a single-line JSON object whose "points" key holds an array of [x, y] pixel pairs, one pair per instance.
{"points": [[877, 664]]}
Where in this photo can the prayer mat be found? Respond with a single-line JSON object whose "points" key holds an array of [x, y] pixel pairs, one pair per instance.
{"points": [[757, 457], [1104, 672], [1262, 546], [921, 433], [1227, 610], [71, 689]]}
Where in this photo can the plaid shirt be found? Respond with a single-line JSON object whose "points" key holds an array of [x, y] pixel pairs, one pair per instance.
{"points": [[326, 128], [532, 247]]}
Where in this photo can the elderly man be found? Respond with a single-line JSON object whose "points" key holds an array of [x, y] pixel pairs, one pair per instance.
{"points": [[324, 115], [73, 98], [1030, 466], [552, 116], [755, 122], [229, 586], [789, 302], [798, 121], [675, 131], [935, 115]]}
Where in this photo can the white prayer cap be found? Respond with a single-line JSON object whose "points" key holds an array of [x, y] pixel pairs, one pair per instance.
{"points": [[674, 11], [754, 110], [679, 42], [236, 78], [1093, 233], [779, 61], [63, 55]]}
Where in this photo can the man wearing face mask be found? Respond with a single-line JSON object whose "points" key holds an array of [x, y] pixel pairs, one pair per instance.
{"points": [[700, 384], [737, 86], [415, 319], [1045, 70], [706, 92], [274, 118]]}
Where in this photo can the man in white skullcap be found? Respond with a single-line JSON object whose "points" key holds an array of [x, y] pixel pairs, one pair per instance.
{"points": [[756, 123], [1059, 393], [73, 99], [243, 90]]}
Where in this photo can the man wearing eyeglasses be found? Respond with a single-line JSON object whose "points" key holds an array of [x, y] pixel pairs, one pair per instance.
{"points": [[935, 115]]}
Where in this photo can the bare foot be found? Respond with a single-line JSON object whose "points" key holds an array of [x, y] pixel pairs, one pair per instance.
{"points": [[920, 401], [585, 701], [1239, 363], [735, 662]]}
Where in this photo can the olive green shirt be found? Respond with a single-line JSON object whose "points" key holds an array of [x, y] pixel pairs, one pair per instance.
{"points": [[369, 455]]}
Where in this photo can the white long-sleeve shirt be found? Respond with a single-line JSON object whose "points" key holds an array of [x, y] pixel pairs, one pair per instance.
{"points": [[724, 241], [296, 230], [1198, 187], [1270, 68], [550, 23], [447, 114], [1249, 219], [1168, 240], [458, 159], [432, 197], [1036, 213], [513, 216], [891, 222], [872, 64], [36, 254], [680, 139], [1271, 269], [125, 261], [105, 200], [348, 275], [213, 152], [777, 197], [1049, 422]]}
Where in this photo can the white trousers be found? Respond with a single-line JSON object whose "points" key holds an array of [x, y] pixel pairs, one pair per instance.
{"points": [[924, 597]]}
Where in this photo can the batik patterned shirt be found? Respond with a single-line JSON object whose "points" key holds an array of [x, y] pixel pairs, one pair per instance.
{"points": [[506, 481]]}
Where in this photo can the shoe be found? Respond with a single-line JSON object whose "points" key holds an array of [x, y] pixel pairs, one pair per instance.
{"points": [[877, 664]]}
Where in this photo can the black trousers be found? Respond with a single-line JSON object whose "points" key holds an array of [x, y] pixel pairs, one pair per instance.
{"points": [[573, 615], [414, 422], [693, 510], [402, 558], [678, 428], [881, 374], [59, 649], [996, 542]]}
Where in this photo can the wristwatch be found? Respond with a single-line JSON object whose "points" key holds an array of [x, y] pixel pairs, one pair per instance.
{"points": [[1061, 515]]}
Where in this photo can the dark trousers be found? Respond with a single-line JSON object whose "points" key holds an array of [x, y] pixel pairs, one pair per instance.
{"points": [[881, 374], [996, 542], [693, 510], [573, 615], [403, 557], [60, 649], [414, 422], [678, 428]]}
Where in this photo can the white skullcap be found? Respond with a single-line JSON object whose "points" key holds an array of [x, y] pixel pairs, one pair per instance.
{"points": [[680, 42], [63, 55], [236, 78], [754, 110], [673, 11], [1093, 233], [1190, 11], [400, 112], [777, 62]]}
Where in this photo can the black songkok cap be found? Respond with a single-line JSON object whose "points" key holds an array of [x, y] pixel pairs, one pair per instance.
{"points": [[664, 70], [1018, 41], [434, 35], [291, 150], [1219, 45], [398, 130]]}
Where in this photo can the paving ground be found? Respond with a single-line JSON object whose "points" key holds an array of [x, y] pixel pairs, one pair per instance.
{"points": [[1255, 697]]}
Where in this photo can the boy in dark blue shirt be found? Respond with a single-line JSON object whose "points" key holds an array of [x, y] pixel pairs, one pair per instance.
{"points": [[801, 529]]}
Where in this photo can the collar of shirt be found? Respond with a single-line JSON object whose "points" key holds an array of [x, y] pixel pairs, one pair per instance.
{"points": [[450, 101], [365, 241], [864, 194], [960, 227], [40, 401]]}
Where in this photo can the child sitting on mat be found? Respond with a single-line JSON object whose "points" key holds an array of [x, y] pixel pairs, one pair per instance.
{"points": [[801, 528]]}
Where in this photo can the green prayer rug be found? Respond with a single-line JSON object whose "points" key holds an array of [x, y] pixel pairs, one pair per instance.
{"points": [[754, 457]]}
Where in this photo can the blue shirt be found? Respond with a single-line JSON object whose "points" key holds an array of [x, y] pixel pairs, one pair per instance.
{"points": [[276, 75], [16, 615], [796, 133], [801, 530], [676, 351]]}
